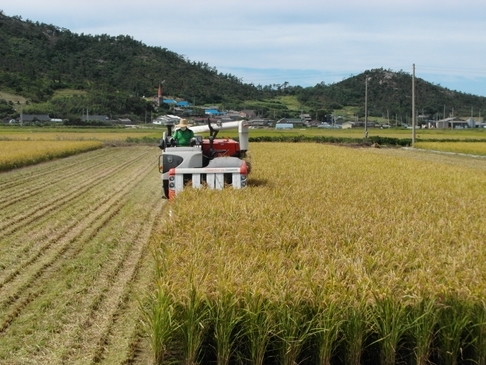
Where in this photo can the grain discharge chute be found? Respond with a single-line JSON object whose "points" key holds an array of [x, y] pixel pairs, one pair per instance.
{"points": [[212, 162]]}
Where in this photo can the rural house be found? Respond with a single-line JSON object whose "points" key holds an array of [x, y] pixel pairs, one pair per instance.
{"points": [[34, 118], [295, 122]]}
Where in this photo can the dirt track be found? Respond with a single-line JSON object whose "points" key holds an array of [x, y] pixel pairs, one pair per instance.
{"points": [[74, 257]]}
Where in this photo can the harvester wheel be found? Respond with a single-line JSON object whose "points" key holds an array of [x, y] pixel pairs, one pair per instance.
{"points": [[165, 191]]}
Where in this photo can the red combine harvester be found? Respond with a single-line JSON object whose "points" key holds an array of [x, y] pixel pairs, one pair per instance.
{"points": [[213, 162]]}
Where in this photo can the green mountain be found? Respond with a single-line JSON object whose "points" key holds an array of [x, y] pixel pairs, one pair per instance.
{"points": [[390, 95], [114, 72], [61, 73]]}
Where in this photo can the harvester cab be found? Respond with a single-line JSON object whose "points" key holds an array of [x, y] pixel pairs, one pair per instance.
{"points": [[212, 162]]}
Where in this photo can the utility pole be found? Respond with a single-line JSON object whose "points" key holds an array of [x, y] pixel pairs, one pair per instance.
{"points": [[366, 109], [413, 105], [160, 94]]}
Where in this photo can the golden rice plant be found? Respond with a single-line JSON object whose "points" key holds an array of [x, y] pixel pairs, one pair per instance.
{"points": [[478, 336], [355, 333], [294, 329], [14, 154], [329, 324], [258, 325], [77, 135], [193, 323], [455, 323], [471, 148], [160, 321], [388, 322], [422, 320], [390, 242], [227, 318]]}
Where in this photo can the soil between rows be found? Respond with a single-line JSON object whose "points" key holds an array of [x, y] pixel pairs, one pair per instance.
{"points": [[75, 260]]}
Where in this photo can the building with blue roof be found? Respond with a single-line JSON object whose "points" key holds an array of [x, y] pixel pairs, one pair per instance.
{"points": [[213, 112]]}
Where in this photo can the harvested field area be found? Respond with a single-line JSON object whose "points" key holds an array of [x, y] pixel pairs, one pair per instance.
{"points": [[75, 258]]}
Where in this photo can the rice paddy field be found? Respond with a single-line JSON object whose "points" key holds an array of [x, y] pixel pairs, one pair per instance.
{"points": [[332, 255], [23, 146], [469, 148], [75, 134], [150, 131], [14, 154], [401, 133]]}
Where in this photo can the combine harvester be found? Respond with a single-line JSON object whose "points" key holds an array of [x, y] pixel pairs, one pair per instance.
{"points": [[213, 162]]}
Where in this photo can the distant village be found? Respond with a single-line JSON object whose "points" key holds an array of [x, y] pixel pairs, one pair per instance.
{"points": [[182, 109]]}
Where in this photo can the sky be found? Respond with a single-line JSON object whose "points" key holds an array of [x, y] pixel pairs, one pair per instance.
{"points": [[301, 42]]}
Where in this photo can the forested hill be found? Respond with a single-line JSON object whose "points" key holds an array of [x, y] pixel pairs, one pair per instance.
{"points": [[37, 58], [113, 74], [390, 94]]}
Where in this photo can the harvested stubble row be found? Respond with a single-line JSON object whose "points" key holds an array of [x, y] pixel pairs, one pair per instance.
{"points": [[75, 258], [331, 255]]}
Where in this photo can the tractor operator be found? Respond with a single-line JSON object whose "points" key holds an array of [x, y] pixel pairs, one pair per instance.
{"points": [[183, 136]]}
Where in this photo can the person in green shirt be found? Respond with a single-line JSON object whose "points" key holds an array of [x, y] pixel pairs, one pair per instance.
{"points": [[183, 136]]}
